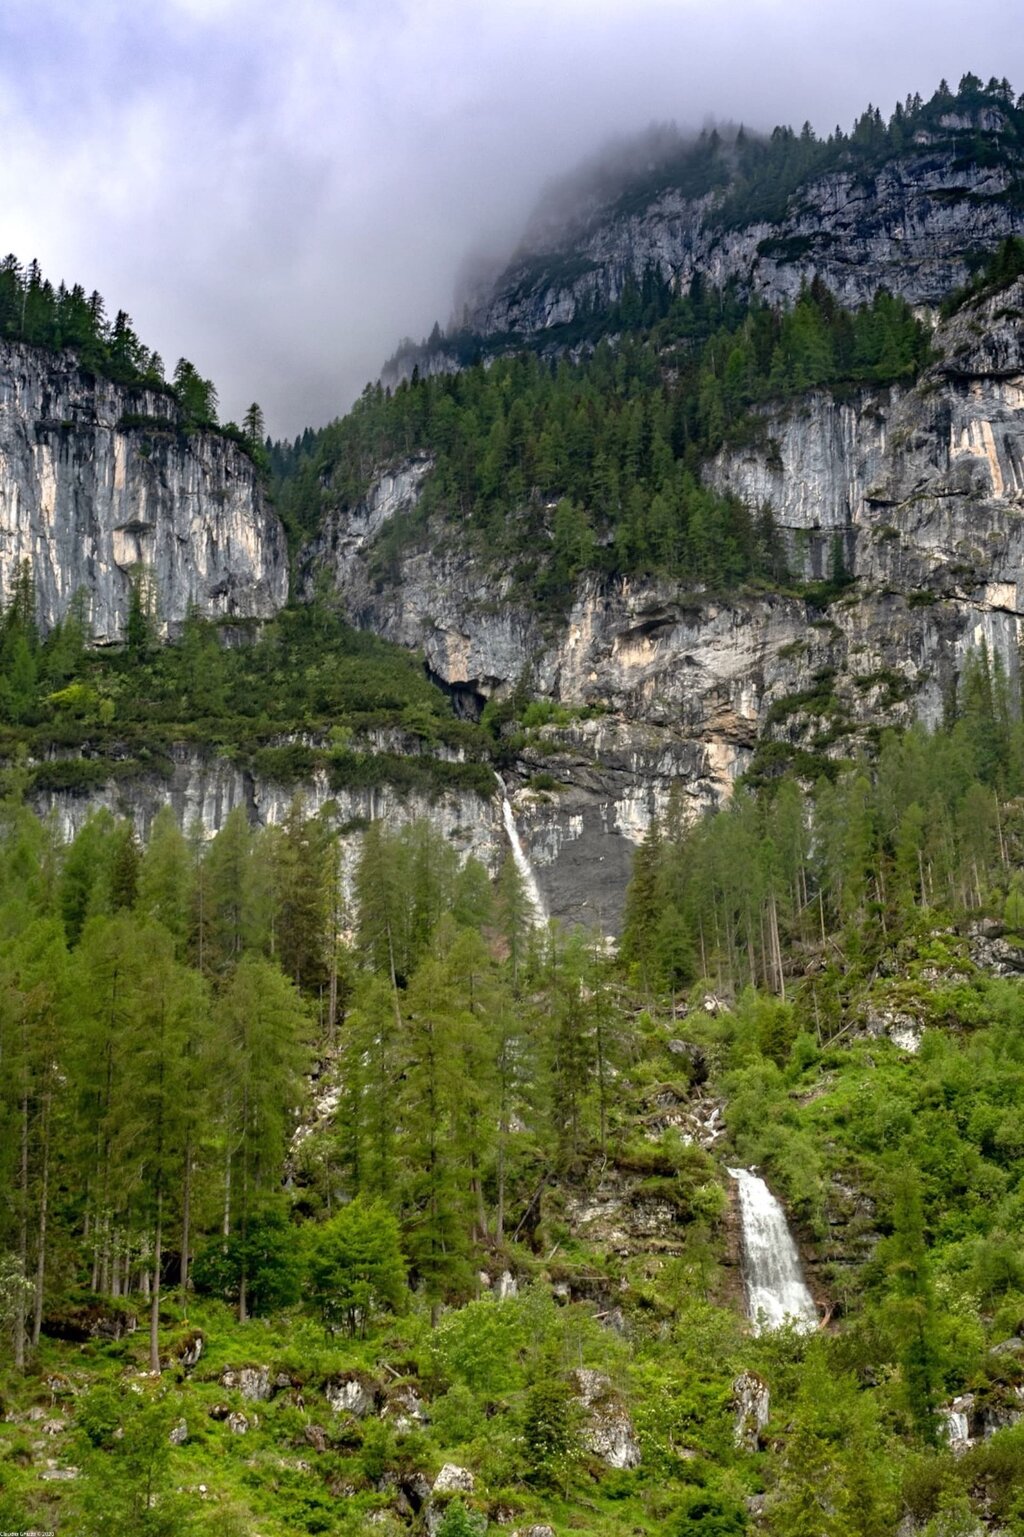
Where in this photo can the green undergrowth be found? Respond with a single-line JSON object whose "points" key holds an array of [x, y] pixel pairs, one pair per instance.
{"points": [[852, 1120], [299, 695]]}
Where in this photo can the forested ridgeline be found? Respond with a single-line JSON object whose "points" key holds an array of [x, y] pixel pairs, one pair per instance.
{"points": [[296, 1119], [984, 123], [302, 693], [34, 312], [756, 175], [752, 178], [596, 463]]}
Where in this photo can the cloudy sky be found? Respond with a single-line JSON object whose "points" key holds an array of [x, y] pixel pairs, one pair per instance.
{"points": [[282, 191]]}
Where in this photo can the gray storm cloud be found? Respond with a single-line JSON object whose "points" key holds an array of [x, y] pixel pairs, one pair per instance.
{"points": [[281, 192]]}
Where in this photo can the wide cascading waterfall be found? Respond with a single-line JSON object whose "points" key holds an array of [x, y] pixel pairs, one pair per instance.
{"points": [[522, 863], [776, 1291]]}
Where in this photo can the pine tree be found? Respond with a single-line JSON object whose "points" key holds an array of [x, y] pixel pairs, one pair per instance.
{"points": [[261, 1031], [914, 1307]]}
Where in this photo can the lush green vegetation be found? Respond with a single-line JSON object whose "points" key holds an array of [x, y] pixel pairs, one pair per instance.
{"points": [[477, 1096], [33, 311], [596, 464], [305, 692], [768, 172], [304, 1115]]}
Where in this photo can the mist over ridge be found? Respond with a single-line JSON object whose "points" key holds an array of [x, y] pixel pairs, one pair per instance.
{"points": [[281, 198]]}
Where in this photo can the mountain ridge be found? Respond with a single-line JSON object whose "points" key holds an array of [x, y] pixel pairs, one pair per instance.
{"points": [[906, 205]]}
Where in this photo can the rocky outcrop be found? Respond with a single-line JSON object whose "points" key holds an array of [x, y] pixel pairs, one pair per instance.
{"points": [[190, 1349], [203, 788], [607, 1430], [454, 1480], [916, 492], [101, 489], [353, 1394], [253, 1382], [921, 486], [621, 1215], [751, 1401], [992, 953], [907, 225]]}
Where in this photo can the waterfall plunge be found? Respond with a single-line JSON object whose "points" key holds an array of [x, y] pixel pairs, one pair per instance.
{"points": [[775, 1287], [522, 863]]}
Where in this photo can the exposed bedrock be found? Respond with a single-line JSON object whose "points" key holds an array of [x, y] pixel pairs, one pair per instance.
{"points": [[918, 492], [100, 489]]}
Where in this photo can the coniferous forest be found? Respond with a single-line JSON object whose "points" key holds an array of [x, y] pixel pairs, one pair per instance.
{"points": [[345, 1192], [318, 1151]]}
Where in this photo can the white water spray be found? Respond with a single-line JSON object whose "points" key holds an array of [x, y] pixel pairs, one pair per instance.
{"points": [[538, 910], [775, 1287]]}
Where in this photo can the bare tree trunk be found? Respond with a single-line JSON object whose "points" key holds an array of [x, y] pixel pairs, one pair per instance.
{"points": [[186, 1214], [154, 1305], [332, 995], [19, 1306], [227, 1195], [999, 830], [718, 945], [601, 1084], [499, 1216], [105, 1254], [394, 979], [773, 917], [243, 1283], [764, 949], [477, 1190]]}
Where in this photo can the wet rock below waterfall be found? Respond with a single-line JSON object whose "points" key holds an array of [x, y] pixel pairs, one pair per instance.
{"points": [[969, 1418]]}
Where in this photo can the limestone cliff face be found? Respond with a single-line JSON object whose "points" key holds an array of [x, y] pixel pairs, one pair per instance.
{"points": [[923, 488], [92, 502], [203, 789], [908, 228], [663, 693]]}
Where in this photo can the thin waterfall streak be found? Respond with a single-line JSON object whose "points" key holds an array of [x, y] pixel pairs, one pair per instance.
{"points": [[533, 894], [776, 1291]]}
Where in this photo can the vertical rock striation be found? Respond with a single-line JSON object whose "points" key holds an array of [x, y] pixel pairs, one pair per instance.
{"points": [[100, 488]]}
